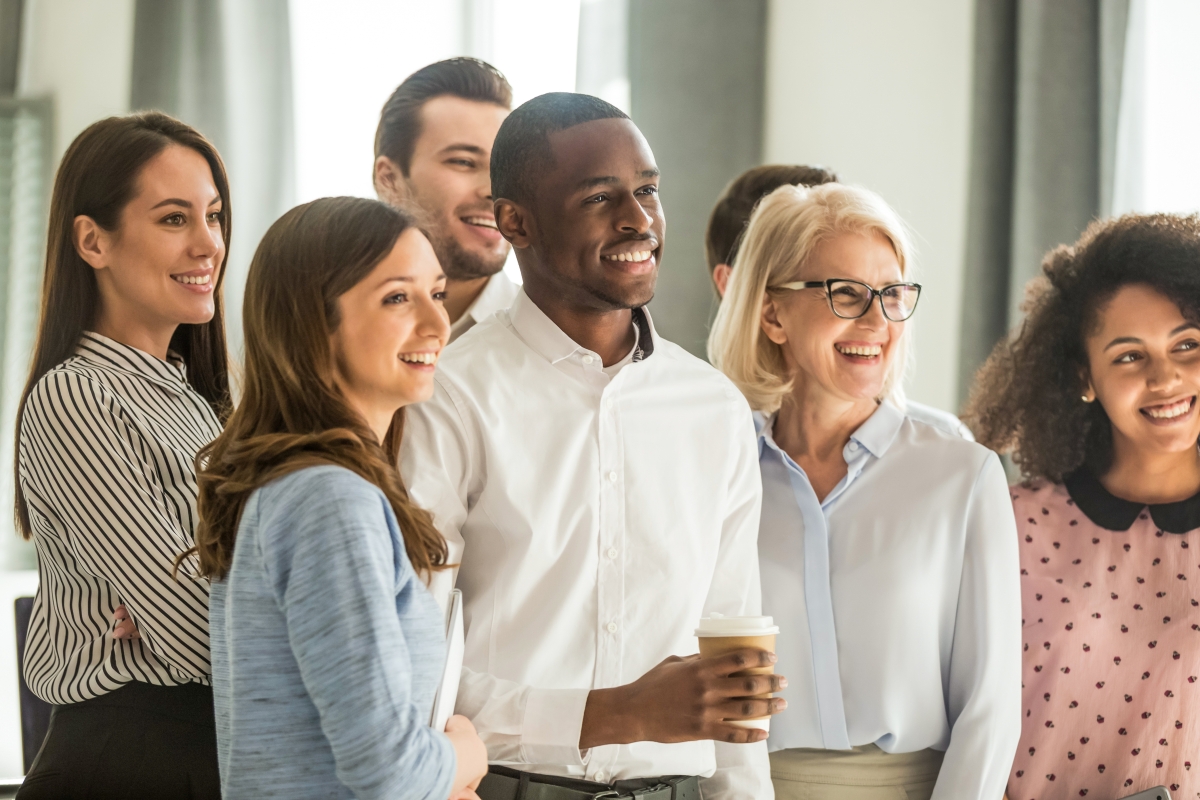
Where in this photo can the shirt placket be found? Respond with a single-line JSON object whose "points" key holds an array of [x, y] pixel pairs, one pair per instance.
{"points": [[610, 583], [818, 599]]}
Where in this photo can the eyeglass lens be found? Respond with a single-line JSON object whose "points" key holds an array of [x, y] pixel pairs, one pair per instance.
{"points": [[851, 300]]}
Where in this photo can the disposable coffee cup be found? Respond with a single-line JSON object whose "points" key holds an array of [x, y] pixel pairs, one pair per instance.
{"points": [[720, 635]]}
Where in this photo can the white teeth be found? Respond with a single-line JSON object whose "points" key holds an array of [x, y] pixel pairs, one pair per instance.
{"points": [[419, 358], [871, 350], [194, 280], [640, 255], [481, 221], [1172, 411]]}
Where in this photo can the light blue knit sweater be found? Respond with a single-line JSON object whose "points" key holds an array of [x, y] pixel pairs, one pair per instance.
{"points": [[326, 650]]}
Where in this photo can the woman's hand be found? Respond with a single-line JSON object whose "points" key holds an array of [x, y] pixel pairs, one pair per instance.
{"points": [[125, 629], [472, 758]]}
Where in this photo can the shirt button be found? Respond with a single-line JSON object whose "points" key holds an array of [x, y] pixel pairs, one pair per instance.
{"points": [[853, 446], [609, 404], [612, 552], [611, 627], [612, 477], [588, 359], [600, 776]]}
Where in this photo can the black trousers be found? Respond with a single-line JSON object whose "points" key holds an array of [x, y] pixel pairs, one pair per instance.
{"points": [[141, 741]]}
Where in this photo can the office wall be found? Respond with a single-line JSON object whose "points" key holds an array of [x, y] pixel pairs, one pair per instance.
{"points": [[61, 35], [881, 93], [696, 77]]}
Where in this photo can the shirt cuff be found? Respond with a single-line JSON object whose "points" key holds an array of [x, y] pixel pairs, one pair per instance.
{"points": [[552, 725]]}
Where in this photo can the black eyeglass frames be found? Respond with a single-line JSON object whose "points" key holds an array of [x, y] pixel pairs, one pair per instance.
{"points": [[852, 299]]}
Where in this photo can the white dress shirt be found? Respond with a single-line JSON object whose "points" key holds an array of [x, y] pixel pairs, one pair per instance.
{"points": [[498, 294], [596, 519], [898, 600]]}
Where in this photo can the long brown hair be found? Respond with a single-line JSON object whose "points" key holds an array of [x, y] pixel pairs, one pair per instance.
{"points": [[97, 178], [292, 415]]}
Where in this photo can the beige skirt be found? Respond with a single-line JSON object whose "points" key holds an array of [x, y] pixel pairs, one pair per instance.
{"points": [[860, 773]]}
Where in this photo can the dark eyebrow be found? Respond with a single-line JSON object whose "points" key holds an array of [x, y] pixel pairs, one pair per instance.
{"points": [[600, 180], [408, 279], [470, 148], [609, 180], [1123, 340], [1134, 340], [175, 201]]}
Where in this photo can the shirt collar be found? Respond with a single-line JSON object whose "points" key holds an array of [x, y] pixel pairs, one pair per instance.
{"points": [[1117, 514], [497, 295], [112, 354], [876, 435], [548, 340]]}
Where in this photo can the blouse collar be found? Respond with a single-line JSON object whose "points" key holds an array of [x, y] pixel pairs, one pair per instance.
{"points": [[110, 353], [875, 436], [1117, 514]]}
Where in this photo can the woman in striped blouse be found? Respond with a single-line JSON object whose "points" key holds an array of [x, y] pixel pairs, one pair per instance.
{"points": [[129, 381]]}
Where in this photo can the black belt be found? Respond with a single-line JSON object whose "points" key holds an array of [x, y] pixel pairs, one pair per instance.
{"points": [[503, 783]]}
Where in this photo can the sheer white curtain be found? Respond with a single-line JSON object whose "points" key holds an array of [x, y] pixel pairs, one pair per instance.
{"points": [[349, 56], [1158, 138]]}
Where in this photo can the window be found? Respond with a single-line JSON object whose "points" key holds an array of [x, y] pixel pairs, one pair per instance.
{"points": [[1158, 139], [348, 57]]}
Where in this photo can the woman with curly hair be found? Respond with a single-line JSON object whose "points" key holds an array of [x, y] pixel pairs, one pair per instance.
{"points": [[1095, 398]]}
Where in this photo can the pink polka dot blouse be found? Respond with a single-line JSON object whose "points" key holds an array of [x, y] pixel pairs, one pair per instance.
{"points": [[1111, 633]]}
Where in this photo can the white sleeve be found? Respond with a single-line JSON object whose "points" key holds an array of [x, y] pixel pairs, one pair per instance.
{"points": [[743, 770], [441, 459], [984, 687]]}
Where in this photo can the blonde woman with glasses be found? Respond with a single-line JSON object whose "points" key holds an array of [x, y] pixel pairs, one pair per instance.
{"points": [[887, 545]]}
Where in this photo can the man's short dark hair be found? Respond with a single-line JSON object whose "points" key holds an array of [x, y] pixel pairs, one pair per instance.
{"points": [[732, 212], [400, 121], [522, 147]]}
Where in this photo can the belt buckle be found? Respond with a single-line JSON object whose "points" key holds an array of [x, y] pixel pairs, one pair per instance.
{"points": [[606, 793]]}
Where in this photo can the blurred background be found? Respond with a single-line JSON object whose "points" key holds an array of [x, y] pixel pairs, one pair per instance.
{"points": [[997, 129]]}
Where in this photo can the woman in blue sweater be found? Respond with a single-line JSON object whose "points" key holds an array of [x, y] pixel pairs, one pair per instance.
{"points": [[327, 646]]}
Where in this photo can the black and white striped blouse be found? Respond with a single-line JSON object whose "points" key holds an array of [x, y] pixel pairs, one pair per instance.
{"points": [[107, 446]]}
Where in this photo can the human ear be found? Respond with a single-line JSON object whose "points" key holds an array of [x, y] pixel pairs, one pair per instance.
{"points": [[513, 223], [91, 242], [1089, 393], [389, 182], [769, 321], [720, 276]]}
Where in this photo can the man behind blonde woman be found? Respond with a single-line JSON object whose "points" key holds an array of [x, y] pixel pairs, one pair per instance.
{"points": [[887, 544]]}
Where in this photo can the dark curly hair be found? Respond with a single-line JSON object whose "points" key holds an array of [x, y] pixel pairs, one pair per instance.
{"points": [[1026, 397]]}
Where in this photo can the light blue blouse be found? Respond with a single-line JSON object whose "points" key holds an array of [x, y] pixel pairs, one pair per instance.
{"points": [[327, 650], [898, 600]]}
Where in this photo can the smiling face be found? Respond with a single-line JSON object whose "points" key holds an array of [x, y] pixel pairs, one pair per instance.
{"points": [[846, 360], [594, 234], [391, 330], [449, 184], [1144, 369], [160, 268]]}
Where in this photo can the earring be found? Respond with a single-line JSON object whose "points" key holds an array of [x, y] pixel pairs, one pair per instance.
{"points": [[1086, 399]]}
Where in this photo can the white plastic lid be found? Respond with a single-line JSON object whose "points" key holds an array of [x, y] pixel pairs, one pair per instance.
{"points": [[718, 625]]}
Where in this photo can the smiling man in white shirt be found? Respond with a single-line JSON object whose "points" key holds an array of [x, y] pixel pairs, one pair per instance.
{"points": [[598, 486], [433, 153]]}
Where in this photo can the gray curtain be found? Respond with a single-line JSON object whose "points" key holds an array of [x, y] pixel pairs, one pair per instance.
{"points": [[224, 66], [1047, 87], [10, 43], [697, 72]]}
